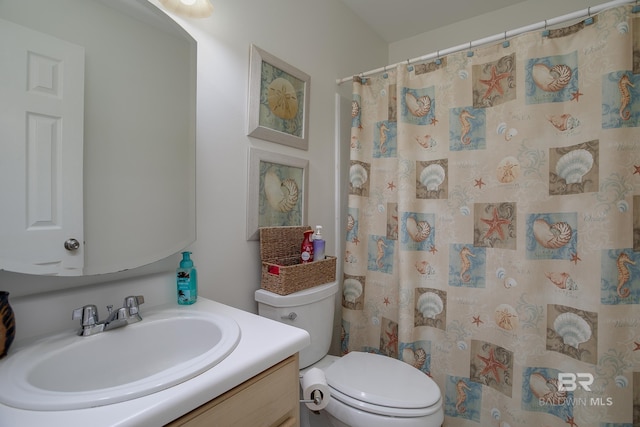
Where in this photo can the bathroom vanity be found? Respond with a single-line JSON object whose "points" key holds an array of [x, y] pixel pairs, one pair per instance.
{"points": [[268, 399], [256, 384]]}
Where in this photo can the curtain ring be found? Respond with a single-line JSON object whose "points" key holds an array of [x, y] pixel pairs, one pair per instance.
{"points": [[384, 72], [409, 66], [545, 32], [438, 61], [505, 43], [589, 19]]}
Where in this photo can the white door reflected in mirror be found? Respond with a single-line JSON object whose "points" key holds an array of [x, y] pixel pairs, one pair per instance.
{"points": [[136, 160], [41, 126]]}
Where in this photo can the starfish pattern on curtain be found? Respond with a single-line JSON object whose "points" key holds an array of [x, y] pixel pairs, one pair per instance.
{"points": [[493, 237]]}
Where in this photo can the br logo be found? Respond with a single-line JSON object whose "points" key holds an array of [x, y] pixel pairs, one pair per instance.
{"points": [[568, 381]]}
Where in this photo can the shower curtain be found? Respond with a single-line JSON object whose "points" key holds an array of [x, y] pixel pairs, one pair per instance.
{"points": [[493, 229]]}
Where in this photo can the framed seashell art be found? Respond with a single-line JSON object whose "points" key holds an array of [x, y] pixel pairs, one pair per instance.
{"points": [[278, 107], [277, 194]]}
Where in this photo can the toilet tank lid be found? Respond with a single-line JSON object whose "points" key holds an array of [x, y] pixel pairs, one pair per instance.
{"points": [[306, 296], [383, 381]]}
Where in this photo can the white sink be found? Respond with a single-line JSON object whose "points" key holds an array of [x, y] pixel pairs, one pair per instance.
{"points": [[67, 371]]}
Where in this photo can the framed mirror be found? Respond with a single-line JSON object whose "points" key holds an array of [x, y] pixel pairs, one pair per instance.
{"points": [[136, 165]]}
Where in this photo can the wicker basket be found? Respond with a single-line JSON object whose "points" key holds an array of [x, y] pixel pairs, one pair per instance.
{"points": [[282, 272]]}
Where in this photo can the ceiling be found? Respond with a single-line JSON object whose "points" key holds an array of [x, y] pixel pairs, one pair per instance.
{"points": [[395, 20]]}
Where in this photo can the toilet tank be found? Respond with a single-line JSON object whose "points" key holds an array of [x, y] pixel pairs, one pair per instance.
{"points": [[310, 309]]}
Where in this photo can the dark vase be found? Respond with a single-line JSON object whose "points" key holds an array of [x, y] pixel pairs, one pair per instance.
{"points": [[7, 324]]}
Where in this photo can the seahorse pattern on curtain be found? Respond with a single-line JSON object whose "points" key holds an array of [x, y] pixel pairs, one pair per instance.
{"points": [[494, 226]]}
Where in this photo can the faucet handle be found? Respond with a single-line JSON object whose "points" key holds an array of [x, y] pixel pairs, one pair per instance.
{"points": [[132, 303], [88, 314]]}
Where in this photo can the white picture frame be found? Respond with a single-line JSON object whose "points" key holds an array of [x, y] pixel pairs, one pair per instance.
{"points": [[276, 89]]}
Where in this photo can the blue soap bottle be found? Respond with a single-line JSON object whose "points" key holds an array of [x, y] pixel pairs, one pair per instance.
{"points": [[187, 279]]}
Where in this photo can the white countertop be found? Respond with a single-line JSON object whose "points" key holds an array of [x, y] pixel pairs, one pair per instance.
{"points": [[263, 343]]}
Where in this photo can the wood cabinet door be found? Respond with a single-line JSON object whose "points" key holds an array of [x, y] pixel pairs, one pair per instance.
{"points": [[270, 399]]}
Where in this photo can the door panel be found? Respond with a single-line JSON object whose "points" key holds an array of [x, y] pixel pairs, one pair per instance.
{"points": [[41, 151]]}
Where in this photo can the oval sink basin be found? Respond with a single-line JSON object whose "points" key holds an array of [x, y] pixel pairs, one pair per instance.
{"points": [[72, 372]]}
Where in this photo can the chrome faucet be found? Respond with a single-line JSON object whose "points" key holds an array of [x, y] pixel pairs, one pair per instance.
{"points": [[125, 315]]}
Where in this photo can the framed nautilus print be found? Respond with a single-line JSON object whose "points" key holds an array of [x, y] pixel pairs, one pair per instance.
{"points": [[277, 194], [278, 107]]}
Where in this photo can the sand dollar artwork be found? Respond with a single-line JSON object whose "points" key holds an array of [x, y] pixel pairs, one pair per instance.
{"points": [[506, 317], [508, 170], [283, 101]]}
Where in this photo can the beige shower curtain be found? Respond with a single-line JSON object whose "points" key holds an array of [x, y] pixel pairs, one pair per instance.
{"points": [[494, 226]]}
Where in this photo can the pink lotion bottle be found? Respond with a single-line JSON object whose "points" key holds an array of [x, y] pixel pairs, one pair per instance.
{"points": [[306, 249]]}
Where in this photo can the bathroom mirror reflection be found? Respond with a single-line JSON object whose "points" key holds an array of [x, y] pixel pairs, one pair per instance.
{"points": [[135, 76]]}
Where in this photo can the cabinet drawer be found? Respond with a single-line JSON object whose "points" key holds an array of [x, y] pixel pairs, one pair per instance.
{"points": [[269, 399]]}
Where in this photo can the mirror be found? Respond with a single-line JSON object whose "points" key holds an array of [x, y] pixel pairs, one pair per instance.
{"points": [[138, 137]]}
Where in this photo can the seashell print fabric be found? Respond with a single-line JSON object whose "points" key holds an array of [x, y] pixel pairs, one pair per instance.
{"points": [[493, 226]]}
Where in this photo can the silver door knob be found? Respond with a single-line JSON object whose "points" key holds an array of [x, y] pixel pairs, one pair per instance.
{"points": [[71, 245]]}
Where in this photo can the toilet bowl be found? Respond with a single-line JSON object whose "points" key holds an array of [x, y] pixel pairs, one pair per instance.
{"points": [[367, 390]]}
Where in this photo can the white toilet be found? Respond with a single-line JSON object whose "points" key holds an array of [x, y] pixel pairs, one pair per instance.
{"points": [[367, 390]]}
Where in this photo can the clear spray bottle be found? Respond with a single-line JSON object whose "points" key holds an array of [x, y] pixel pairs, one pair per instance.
{"points": [[318, 244]]}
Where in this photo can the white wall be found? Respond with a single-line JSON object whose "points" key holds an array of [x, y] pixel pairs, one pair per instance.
{"points": [[505, 19], [322, 38]]}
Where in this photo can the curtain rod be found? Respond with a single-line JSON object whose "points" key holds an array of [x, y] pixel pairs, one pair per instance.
{"points": [[585, 13]]}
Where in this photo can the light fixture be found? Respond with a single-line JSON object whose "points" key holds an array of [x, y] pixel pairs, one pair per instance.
{"points": [[189, 8]]}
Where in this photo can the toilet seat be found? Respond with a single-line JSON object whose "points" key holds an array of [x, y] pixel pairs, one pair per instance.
{"points": [[384, 410], [382, 385]]}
